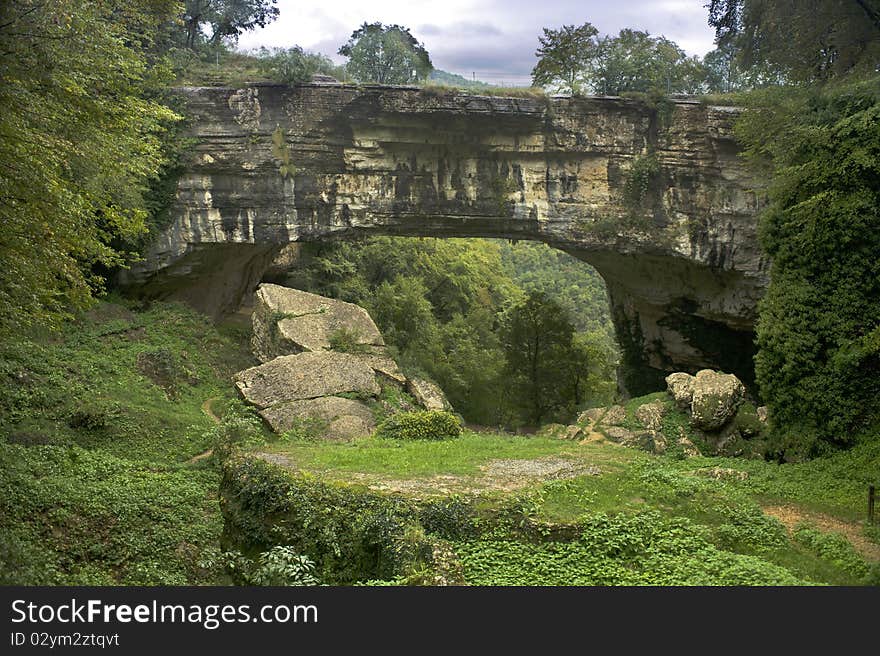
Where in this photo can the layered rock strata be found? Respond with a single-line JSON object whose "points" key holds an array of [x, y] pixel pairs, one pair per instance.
{"points": [[654, 197]]}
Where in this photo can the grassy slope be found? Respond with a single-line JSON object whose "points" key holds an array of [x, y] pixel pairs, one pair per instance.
{"points": [[96, 488], [646, 519], [94, 483]]}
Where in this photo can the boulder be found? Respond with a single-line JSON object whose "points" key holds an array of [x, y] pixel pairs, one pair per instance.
{"points": [[336, 418], [650, 415], [690, 450], [305, 376], [763, 414], [590, 416], [618, 434], [681, 388], [615, 416], [385, 366], [650, 441], [427, 394], [288, 321], [716, 399]]}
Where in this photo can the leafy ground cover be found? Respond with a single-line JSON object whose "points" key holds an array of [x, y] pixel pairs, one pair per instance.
{"points": [[105, 478]]}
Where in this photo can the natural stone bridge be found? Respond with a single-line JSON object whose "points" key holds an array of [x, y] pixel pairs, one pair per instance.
{"points": [[655, 198]]}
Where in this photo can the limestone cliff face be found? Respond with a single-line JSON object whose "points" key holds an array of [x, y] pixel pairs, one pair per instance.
{"points": [[654, 198]]}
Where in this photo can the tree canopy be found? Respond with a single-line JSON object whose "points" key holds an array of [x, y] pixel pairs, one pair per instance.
{"points": [[803, 41], [566, 58], [80, 138], [211, 21], [575, 60], [818, 362], [386, 54]]}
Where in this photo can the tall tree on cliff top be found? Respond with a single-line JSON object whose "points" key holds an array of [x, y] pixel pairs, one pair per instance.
{"points": [[574, 60], [386, 55], [804, 41], [636, 61], [211, 21], [78, 143], [566, 58]]}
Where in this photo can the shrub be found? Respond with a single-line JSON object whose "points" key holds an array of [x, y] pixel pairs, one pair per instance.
{"points": [[420, 425], [347, 341]]}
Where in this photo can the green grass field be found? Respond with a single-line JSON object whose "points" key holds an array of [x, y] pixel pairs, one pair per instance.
{"points": [[99, 427]]}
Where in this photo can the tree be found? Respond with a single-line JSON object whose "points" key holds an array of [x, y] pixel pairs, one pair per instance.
{"points": [[802, 41], [294, 65], [79, 141], [566, 58], [211, 21], [537, 339], [636, 61], [575, 60], [386, 55]]}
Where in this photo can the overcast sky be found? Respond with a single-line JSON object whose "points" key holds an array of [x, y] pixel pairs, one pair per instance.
{"points": [[496, 39]]}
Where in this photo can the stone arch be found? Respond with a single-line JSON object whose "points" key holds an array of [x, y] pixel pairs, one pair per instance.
{"points": [[654, 198]]}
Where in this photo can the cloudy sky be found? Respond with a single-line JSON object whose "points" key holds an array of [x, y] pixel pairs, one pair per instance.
{"points": [[495, 39]]}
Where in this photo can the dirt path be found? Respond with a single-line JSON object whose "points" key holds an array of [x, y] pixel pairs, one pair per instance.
{"points": [[791, 516], [502, 474], [206, 408]]}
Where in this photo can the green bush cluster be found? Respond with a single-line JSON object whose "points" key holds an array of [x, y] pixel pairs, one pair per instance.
{"points": [[351, 535], [347, 341], [833, 547], [420, 425], [640, 549], [818, 334]]}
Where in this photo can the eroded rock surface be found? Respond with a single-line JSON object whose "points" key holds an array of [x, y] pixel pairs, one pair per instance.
{"points": [[336, 418], [683, 267], [427, 394], [297, 336], [287, 321], [305, 376]]}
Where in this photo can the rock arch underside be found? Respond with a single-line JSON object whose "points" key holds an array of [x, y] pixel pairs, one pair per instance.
{"points": [[654, 197]]}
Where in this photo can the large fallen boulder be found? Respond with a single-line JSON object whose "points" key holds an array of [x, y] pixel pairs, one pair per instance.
{"points": [[334, 417], [313, 349], [427, 394], [712, 398], [681, 388], [288, 321], [650, 415], [306, 376]]}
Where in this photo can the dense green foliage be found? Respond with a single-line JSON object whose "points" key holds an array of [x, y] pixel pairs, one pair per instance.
{"points": [[210, 22], [640, 549], [545, 366], [79, 141], [420, 425], [386, 54], [350, 535], [818, 363], [96, 427], [576, 60], [566, 57], [800, 41], [295, 65], [441, 305], [74, 516]]}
